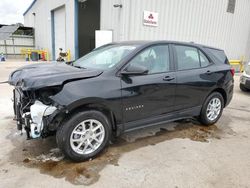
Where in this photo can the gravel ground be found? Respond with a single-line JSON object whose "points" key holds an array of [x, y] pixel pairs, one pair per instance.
{"points": [[180, 154]]}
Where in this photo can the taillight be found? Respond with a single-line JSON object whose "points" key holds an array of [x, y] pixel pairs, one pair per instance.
{"points": [[232, 71]]}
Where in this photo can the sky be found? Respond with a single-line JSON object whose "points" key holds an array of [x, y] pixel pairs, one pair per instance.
{"points": [[11, 11]]}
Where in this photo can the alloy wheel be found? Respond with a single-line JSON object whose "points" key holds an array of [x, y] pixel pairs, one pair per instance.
{"points": [[87, 136], [213, 109]]}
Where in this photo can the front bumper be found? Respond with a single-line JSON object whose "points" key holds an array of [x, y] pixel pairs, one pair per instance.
{"points": [[30, 114], [245, 80]]}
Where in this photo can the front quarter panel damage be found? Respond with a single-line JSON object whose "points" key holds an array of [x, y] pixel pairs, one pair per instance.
{"points": [[34, 85], [62, 100], [92, 91]]}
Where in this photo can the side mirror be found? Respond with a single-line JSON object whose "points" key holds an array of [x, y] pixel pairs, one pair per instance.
{"points": [[134, 70]]}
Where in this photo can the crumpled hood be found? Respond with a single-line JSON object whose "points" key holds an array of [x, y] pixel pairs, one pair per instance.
{"points": [[41, 75]]}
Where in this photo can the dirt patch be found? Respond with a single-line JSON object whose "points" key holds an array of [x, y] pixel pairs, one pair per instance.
{"points": [[44, 155]]}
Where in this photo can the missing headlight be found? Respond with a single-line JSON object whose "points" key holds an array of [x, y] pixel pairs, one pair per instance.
{"points": [[37, 111], [44, 94]]}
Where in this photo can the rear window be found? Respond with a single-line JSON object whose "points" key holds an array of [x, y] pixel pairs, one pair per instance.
{"points": [[219, 55]]}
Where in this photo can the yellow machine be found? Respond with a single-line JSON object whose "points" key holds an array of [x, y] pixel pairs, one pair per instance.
{"points": [[26, 52], [44, 54]]}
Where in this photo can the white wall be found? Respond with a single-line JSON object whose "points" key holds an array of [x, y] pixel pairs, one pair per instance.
{"points": [[200, 21], [42, 23]]}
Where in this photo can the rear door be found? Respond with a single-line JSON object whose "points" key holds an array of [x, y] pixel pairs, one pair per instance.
{"points": [[195, 76], [153, 94]]}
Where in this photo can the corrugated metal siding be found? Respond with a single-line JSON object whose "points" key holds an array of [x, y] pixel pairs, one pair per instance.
{"points": [[200, 21], [12, 46]]}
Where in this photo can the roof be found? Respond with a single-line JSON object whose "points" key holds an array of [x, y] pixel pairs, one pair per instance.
{"points": [[7, 31], [145, 42], [31, 5]]}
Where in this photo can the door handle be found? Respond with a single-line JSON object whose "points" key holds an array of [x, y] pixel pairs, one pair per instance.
{"points": [[168, 78]]}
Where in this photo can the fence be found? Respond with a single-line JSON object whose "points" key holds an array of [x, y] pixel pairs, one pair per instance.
{"points": [[12, 47]]}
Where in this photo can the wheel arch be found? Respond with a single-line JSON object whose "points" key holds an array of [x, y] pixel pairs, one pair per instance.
{"points": [[94, 104], [222, 92]]}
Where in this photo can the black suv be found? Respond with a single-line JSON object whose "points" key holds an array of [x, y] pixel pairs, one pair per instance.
{"points": [[120, 87]]}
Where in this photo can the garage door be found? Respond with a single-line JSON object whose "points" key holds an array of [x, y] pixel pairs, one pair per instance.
{"points": [[60, 30]]}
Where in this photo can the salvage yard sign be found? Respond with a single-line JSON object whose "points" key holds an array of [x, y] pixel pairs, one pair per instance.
{"points": [[150, 18]]}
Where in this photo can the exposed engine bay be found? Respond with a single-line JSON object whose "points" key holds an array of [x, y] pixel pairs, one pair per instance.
{"points": [[32, 110]]}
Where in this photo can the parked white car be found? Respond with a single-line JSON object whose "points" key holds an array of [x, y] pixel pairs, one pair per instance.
{"points": [[245, 79]]}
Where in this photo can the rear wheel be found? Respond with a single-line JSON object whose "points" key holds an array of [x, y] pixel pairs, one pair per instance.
{"points": [[243, 88], [84, 135], [212, 109]]}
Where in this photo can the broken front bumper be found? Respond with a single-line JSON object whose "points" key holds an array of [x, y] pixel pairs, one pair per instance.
{"points": [[32, 117]]}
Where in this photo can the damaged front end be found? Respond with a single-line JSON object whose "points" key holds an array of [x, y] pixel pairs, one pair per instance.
{"points": [[35, 84], [34, 111]]}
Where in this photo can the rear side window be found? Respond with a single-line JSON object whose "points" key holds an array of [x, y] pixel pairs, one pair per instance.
{"points": [[204, 61], [190, 58], [219, 55]]}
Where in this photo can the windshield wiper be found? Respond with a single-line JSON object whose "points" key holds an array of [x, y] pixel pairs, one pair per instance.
{"points": [[69, 62], [72, 64], [78, 67]]}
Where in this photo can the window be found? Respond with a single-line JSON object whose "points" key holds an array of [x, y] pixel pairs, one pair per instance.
{"points": [[231, 6], [204, 61], [155, 59], [190, 58], [219, 55], [187, 57]]}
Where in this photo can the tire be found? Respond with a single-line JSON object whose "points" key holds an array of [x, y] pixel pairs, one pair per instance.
{"points": [[207, 117], [72, 130], [243, 88]]}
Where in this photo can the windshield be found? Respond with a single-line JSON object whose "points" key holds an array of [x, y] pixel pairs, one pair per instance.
{"points": [[104, 58], [247, 69]]}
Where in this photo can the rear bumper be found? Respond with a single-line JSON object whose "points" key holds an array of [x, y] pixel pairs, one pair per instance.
{"points": [[229, 89]]}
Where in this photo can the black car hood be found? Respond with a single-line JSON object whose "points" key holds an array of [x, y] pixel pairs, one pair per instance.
{"points": [[41, 75]]}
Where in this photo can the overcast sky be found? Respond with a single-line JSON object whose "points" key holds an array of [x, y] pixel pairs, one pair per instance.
{"points": [[11, 11]]}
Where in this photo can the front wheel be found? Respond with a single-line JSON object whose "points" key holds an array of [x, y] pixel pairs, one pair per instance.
{"points": [[212, 109], [84, 135]]}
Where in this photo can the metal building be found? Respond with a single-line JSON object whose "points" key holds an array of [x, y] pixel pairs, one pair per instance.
{"points": [[71, 24], [14, 38]]}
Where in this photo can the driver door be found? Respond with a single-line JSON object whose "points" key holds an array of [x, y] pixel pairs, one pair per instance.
{"points": [[152, 94]]}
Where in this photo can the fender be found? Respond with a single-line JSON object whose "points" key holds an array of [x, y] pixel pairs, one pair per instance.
{"points": [[92, 92]]}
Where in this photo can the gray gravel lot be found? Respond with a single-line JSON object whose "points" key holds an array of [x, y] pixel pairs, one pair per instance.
{"points": [[179, 154]]}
